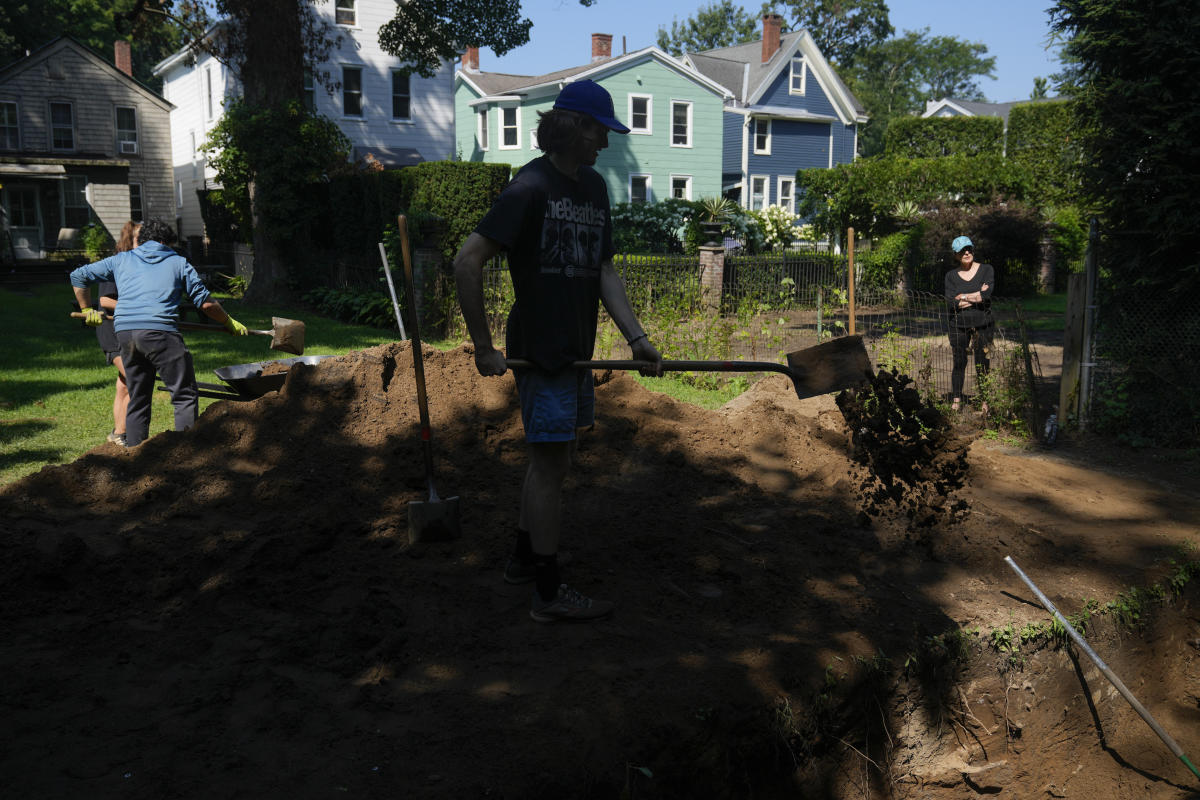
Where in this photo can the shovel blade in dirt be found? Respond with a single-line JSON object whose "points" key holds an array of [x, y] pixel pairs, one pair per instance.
{"points": [[437, 520], [838, 364]]}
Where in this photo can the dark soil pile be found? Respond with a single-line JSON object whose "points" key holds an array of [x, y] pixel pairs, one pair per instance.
{"points": [[235, 611]]}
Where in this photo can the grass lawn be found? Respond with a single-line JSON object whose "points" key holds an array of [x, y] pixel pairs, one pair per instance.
{"points": [[56, 390]]}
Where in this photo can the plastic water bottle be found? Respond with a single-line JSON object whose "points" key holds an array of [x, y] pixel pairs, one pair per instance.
{"points": [[1051, 429]]}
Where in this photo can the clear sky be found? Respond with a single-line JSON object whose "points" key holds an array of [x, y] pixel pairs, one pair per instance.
{"points": [[1015, 32]]}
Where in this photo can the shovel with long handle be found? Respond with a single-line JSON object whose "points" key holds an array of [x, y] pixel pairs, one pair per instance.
{"points": [[286, 334], [838, 364], [435, 519]]}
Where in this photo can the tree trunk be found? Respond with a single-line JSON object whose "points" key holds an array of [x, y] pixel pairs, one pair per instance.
{"points": [[271, 73]]}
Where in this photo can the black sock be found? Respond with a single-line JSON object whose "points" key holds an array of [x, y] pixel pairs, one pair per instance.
{"points": [[523, 551], [546, 576]]}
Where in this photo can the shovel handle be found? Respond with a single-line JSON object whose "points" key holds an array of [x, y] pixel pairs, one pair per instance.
{"points": [[673, 366], [188, 326]]}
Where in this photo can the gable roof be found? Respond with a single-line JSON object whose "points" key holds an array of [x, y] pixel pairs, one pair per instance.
{"points": [[60, 43], [492, 85], [976, 108], [741, 70]]}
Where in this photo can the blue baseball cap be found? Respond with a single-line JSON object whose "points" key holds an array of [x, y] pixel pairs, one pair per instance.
{"points": [[958, 244], [589, 97]]}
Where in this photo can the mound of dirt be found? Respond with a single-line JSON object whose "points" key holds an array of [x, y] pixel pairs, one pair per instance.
{"points": [[235, 611]]}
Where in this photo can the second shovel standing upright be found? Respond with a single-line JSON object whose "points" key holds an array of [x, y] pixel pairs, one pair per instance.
{"points": [[435, 519]]}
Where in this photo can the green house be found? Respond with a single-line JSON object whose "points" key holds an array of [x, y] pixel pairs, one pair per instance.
{"points": [[674, 114]]}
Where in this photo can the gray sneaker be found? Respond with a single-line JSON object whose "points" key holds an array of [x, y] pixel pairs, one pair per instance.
{"points": [[569, 604], [117, 438]]}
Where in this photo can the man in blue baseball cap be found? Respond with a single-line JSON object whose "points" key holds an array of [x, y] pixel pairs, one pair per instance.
{"points": [[553, 221]]}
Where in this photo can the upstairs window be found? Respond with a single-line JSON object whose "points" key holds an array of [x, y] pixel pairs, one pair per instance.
{"points": [[401, 96], [762, 136], [10, 132], [310, 92], [62, 126], [799, 76], [483, 128], [344, 12], [510, 130], [639, 113], [681, 124], [352, 99], [127, 134], [75, 210]]}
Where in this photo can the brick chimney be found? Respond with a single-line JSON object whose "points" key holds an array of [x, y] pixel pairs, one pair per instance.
{"points": [[601, 46], [122, 57], [470, 60], [772, 26]]}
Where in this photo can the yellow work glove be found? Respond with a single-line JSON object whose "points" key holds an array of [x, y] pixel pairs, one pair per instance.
{"points": [[93, 317], [235, 328]]}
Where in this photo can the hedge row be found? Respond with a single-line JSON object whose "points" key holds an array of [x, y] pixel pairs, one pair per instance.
{"points": [[934, 137], [1041, 140]]}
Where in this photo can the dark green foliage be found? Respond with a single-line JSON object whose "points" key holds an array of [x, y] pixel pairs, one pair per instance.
{"points": [[357, 207], [1042, 139], [1068, 232], [864, 193], [653, 227], [1006, 235], [882, 265], [361, 306], [933, 137], [460, 193], [720, 24]]}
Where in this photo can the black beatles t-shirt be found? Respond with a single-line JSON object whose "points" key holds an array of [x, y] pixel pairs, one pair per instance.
{"points": [[557, 232]]}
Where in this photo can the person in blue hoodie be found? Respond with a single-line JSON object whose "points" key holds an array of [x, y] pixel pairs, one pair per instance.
{"points": [[151, 279]]}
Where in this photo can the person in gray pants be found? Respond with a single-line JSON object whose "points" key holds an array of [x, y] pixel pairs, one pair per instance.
{"points": [[151, 280]]}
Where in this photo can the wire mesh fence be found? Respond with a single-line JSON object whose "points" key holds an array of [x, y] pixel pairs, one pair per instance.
{"points": [[770, 306]]}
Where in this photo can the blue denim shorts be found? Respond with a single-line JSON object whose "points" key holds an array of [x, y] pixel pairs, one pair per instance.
{"points": [[554, 405]]}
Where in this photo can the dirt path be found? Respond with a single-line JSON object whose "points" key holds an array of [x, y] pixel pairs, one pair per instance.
{"points": [[235, 611]]}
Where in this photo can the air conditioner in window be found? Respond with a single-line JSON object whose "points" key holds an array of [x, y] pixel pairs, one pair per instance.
{"points": [[128, 148]]}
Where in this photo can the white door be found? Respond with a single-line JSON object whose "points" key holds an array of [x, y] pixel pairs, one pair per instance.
{"points": [[24, 220]]}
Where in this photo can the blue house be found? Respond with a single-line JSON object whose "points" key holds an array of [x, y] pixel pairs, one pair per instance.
{"points": [[787, 110]]}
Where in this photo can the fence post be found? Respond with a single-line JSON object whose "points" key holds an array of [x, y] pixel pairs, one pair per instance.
{"points": [[712, 275], [850, 273], [1068, 389], [1091, 272]]}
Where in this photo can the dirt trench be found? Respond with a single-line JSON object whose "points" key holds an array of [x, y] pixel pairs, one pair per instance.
{"points": [[235, 611]]}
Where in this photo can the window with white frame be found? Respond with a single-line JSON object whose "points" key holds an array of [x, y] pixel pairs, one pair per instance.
{"points": [[762, 136], [208, 93], [681, 124], [787, 194], [344, 12], [127, 133], [758, 192], [75, 211], [310, 91], [62, 126], [483, 128], [681, 187], [136, 212], [640, 113], [639, 189], [10, 130], [401, 95], [510, 128], [799, 76], [352, 95]]}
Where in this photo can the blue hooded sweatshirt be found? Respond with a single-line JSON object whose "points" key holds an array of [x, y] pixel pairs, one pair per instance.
{"points": [[150, 280]]}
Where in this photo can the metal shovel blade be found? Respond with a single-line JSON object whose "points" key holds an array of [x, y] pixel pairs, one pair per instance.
{"points": [[287, 335], [830, 366], [434, 520]]}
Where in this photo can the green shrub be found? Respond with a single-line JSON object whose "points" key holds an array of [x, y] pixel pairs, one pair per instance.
{"points": [[934, 137], [356, 305], [899, 252], [460, 193], [97, 242], [1068, 234], [1042, 140], [1007, 235], [652, 227]]}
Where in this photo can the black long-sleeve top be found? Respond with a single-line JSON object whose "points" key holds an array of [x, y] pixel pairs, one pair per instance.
{"points": [[976, 315]]}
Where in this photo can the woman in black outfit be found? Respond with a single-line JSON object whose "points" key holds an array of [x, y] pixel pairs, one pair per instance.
{"points": [[969, 294]]}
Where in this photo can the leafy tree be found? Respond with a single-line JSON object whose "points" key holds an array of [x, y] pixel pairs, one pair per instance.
{"points": [[842, 29], [896, 77], [430, 32], [29, 24], [1040, 86], [721, 24]]}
